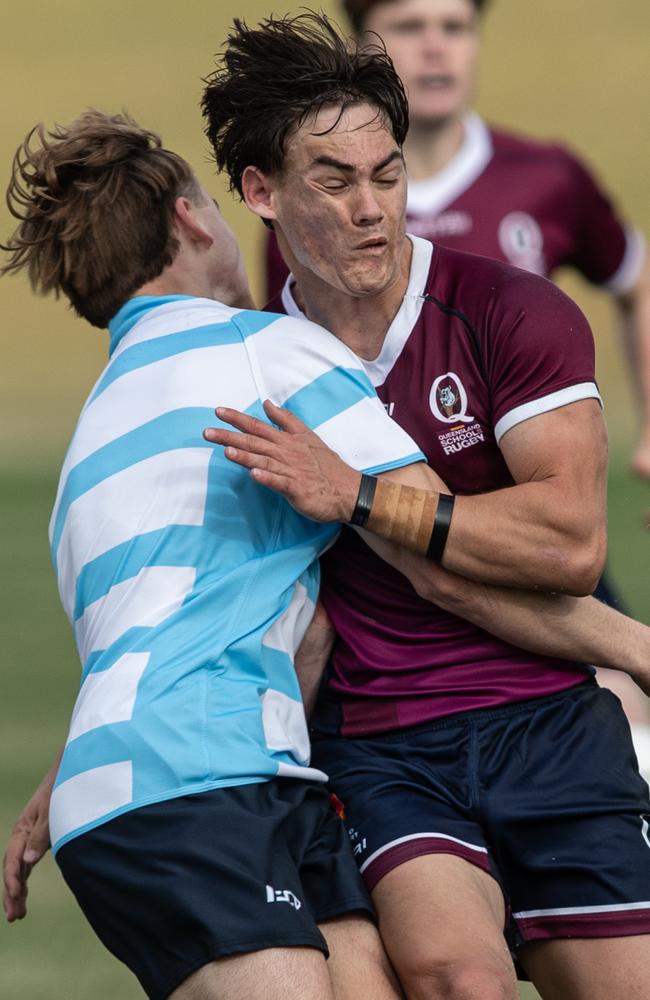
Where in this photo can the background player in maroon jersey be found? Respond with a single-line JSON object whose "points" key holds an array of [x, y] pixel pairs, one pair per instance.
{"points": [[488, 191], [494, 370]]}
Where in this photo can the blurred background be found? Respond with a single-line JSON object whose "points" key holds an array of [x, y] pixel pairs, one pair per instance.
{"points": [[575, 70]]}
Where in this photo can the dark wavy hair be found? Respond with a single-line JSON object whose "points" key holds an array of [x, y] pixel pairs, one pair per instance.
{"points": [[274, 76], [358, 10], [95, 204]]}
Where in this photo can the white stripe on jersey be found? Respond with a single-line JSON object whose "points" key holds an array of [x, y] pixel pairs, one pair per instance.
{"points": [[205, 377], [181, 314], [270, 348], [108, 696], [166, 489], [356, 451], [89, 796], [285, 726], [142, 601], [286, 633]]}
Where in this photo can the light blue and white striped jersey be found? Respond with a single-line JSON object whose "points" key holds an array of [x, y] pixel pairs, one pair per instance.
{"points": [[190, 586]]}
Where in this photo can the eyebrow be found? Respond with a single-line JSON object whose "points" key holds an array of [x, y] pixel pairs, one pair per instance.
{"points": [[329, 161]]}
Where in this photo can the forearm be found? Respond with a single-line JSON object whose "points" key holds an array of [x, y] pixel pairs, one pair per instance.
{"points": [[558, 625], [521, 537], [312, 656]]}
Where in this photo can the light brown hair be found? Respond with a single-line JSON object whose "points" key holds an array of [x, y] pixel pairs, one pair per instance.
{"points": [[95, 204]]}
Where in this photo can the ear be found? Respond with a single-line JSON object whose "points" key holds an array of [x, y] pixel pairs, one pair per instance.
{"points": [[187, 219], [257, 189]]}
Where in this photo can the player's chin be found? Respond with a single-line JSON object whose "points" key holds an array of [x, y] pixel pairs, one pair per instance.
{"points": [[369, 279]]}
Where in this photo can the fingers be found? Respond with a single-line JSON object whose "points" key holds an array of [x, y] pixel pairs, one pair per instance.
{"points": [[243, 442], [285, 419], [15, 873], [247, 424]]}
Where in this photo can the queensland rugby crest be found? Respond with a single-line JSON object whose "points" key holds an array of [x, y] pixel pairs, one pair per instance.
{"points": [[448, 399], [522, 241], [449, 404]]}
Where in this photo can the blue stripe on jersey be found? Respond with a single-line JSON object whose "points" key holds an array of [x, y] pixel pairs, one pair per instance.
{"points": [[125, 561], [159, 348], [249, 322], [377, 470], [176, 429], [321, 399], [132, 311]]}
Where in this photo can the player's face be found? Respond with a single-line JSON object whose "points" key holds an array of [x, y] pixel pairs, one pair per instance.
{"points": [[434, 46], [340, 200]]}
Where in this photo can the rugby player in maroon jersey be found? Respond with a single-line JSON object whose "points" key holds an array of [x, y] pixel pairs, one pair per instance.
{"points": [[488, 191], [479, 781], [492, 192]]}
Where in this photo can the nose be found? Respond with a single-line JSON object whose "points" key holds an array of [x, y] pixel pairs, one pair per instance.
{"points": [[433, 41], [366, 211]]}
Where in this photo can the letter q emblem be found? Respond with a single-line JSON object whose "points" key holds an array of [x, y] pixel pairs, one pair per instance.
{"points": [[448, 399]]}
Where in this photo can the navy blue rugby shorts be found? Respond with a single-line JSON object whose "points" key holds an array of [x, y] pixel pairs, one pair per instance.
{"points": [[544, 795], [172, 886]]}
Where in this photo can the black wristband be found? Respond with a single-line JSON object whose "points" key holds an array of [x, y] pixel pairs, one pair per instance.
{"points": [[363, 506], [440, 528]]}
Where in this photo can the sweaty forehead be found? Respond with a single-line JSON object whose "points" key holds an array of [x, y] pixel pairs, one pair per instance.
{"points": [[360, 135]]}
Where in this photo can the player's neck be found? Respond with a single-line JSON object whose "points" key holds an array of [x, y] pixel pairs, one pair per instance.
{"points": [[430, 146], [176, 279], [361, 322]]}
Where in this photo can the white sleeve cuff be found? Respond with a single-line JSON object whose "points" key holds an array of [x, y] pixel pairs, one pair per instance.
{"points": [[631, 266], [572, 393]]}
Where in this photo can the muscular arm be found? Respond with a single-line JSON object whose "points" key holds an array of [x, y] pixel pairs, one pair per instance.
{"points": [[547, 531], [574, 628], [634, 308]]}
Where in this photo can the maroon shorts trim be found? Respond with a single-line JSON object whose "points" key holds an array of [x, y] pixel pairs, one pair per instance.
{"points": [[396, 853], [585, 922]]}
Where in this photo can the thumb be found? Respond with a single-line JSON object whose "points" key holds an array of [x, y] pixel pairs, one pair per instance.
{"points": [[284, 419]]}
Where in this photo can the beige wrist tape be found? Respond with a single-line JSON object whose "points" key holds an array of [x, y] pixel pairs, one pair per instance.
{"points": [[403, 514]]}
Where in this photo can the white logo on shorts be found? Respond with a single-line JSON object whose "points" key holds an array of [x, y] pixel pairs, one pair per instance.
{"points": [[645, 833], [282, 896]]}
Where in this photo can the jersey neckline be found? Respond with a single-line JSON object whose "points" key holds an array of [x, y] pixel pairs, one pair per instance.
{"points": [[435, 193], [405, 319]]}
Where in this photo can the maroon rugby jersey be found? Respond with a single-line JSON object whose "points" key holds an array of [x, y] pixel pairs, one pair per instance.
{"points": [[476, 347], [528, 203]]}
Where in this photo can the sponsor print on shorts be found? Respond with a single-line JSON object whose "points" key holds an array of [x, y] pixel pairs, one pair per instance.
{"points": [[645, 820], [449, 404], [282, 896]]}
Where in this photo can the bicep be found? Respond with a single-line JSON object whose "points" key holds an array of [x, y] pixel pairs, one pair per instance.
{"points": [[565, 447]]}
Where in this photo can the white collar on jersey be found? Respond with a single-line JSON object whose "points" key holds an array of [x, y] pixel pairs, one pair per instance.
{"points": [[405, 319], [435, 193]]}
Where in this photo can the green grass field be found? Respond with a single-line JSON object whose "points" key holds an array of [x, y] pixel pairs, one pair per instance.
{"points": [[576, 71]]}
